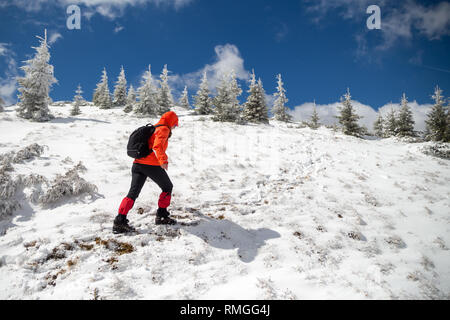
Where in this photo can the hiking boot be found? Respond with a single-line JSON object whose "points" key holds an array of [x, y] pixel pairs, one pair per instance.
{"points": [[121, 225], [162, 217]]}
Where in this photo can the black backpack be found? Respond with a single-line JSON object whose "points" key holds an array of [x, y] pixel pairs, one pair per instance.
{"points": [[137, 146]]}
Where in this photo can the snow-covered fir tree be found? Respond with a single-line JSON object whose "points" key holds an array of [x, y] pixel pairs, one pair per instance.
{"points": [[405, 122], [77, 101], [120, 90], [314, 123], [279, 109], [165, 99], [35, 86], [203, 102], [391, 124], [2, 103], [131, 100], [255, 108], [235, 93], [227, 108], [147, 105], [102, 96], [348, 119], [184, 100], [378, 126], [436, 123]]}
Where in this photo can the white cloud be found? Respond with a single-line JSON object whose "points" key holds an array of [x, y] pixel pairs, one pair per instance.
{"points": [[328, 112], [107, 8], [399, 19], [227, 58], [433, 22], [348, 9], [54, 36], [8, 83], [117, 29]]}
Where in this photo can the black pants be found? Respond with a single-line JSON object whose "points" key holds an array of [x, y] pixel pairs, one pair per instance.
{"points": [[140, 173]]}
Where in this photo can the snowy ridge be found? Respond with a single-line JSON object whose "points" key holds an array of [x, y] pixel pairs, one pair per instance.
{"points": [[265, 211]]}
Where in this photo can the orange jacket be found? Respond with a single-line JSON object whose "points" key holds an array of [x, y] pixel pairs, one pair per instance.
{"points": [[160, 140]]}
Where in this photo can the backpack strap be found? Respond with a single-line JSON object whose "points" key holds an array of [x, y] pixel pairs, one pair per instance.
{"points": [[165, 125]]}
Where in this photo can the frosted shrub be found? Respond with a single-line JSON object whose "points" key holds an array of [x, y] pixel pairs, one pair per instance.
{"points": [[34, 182], [27, 153], [441, 150], [69, 184], [8, 188], [32, 151]]}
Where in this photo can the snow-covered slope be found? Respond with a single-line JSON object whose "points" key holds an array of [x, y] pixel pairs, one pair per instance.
{"points": [[266, 212]]}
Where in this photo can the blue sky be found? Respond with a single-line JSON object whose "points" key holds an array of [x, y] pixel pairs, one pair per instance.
{"points": [[320, 47]]}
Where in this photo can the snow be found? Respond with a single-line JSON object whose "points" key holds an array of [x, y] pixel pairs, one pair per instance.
{"points": [[267, 212]]}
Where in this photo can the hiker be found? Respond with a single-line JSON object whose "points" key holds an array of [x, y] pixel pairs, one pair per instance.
{"points": [[153, 166]]}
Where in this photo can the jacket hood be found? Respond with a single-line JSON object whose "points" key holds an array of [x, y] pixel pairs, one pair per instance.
{"points": [[169, 118]]}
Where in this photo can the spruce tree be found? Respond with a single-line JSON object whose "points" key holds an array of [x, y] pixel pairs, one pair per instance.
{"points": [[203, 102], [77, 101], [378, 126], [35, 86], [147, 105], [184, 100], [391, 126], [102, 96], [405, 123], [348, 119], [314, 124], [235, 92], [165, 99], [131, 100], [279, 108], [226, 102], [120, 90], [255, 108], [436, 124]]}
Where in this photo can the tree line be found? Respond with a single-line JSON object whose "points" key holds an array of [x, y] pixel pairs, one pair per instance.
{"points": [[152, 100]]}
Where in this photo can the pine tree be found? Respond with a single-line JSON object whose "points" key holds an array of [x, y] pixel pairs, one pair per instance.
{"points": [[436, 124], [203, 102], [147, 105], [102, 96], [391, 126], [348, 119], [184, 100], [35, 86], [77, 101], [279, 108], [226, 102], [120, 90], [315, 118], [378, 126], [235, 92], [165, 99], [255, 108], [131, 100], [405, 123]]}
